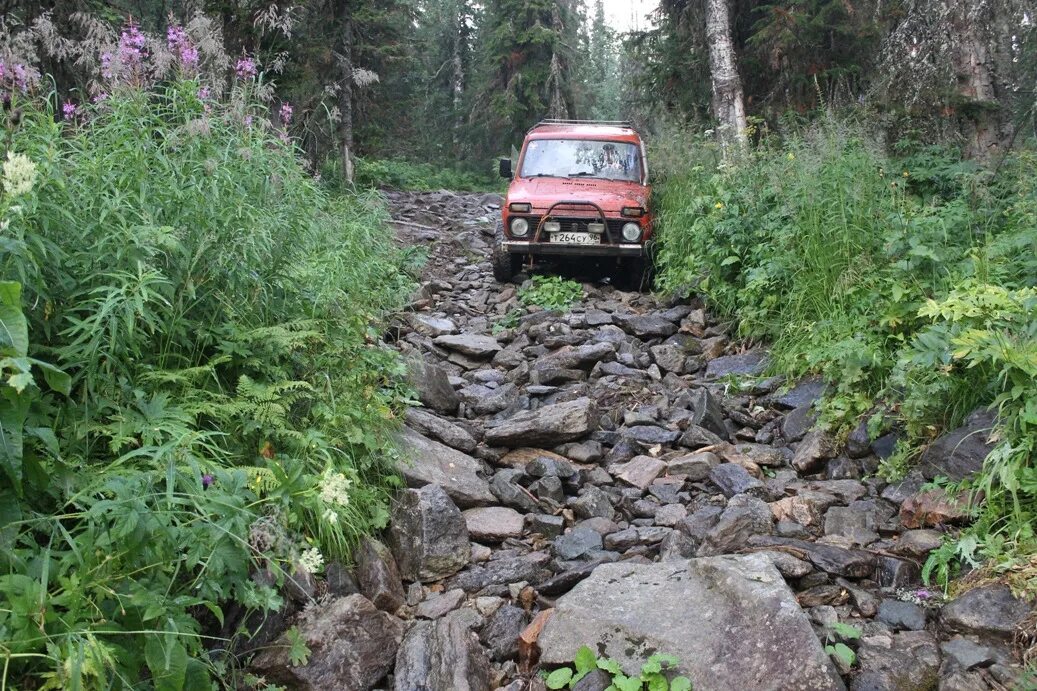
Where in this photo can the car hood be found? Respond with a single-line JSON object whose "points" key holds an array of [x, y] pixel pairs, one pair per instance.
{"points": [[610, 195]]}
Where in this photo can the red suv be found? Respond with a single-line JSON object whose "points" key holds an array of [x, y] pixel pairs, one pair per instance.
{"points": [[580, 190]]}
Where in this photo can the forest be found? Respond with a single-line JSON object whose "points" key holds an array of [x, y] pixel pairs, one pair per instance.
{"points": [[195, 237]]}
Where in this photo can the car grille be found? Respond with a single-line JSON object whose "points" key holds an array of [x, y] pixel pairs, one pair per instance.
{"points": [[579, 225]]}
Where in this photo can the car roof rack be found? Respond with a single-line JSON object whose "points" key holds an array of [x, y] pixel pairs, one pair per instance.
{"points": [[564, 121]]}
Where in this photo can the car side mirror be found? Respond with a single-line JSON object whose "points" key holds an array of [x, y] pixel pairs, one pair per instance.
{"points": [[504, 168]]}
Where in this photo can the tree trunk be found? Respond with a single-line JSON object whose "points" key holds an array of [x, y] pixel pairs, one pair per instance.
{"points": [[728, 101], [344, 60], [980, 106]]}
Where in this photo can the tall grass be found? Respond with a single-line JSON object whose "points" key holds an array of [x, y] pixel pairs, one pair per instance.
{"points": [[229, 409], [905, 281]]}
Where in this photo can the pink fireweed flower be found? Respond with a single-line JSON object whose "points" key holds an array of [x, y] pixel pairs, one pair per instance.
{"points": [[286, 112], [245, 68], [68, 109], [204, 93], [180, 45]]}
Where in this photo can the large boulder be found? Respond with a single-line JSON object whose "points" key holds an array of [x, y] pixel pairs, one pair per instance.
{"points": [[427, 462], [352, 645], [731, 620], [547, 426], [378, 576], [428, 535], [472, 345], [989, 610], [441, 655]]}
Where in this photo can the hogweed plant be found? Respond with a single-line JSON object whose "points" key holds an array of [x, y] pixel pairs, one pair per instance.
{"points": [[192, 389]]}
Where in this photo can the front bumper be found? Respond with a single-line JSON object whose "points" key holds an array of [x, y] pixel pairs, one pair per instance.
{"points": [[559, 250]]}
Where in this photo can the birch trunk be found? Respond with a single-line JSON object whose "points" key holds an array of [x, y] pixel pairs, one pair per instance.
{"points": [[344, 58], [728, 100]]}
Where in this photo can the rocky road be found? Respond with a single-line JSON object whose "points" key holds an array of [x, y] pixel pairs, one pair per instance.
{"points": [[624, 476]]}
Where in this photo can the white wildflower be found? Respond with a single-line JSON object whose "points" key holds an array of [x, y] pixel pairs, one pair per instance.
{"points": [[311, 561], [335, 489], [19, 174], [330, 516]]}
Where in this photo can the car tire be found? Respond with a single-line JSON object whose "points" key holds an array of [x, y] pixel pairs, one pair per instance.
{"points": [[505, 265], [637, 275]]}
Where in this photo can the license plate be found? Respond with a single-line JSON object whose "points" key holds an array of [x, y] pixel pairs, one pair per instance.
{"points": [[576, 238]]}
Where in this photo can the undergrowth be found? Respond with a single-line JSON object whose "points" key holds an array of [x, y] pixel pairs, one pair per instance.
{"points": [[193, 390], [551, 292], [420, 177], [907, 280]]}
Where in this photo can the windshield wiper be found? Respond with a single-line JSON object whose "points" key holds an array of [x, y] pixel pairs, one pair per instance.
{"points": [[582, 174], [542, 175]]}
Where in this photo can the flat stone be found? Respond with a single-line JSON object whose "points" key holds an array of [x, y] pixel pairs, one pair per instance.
{"points": [[855, 524], [443, 654], [987, 610], [733, 479], [472, 345], [428, 535], [645, 325], [829, 558], [576, 543], [429, 425], [427, 462], [440, 604], [748, 364], [640, 471], [967, 654], [702, 608], [695, 466], [493, 523], [549, 425], [902, 615], [432, 326], [530, 568], [650, 435], [352, 646], [805, 392]]}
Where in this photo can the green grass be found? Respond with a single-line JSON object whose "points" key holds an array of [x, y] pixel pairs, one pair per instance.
{"points": [[216, 400], [421, 177], [906, 281]]}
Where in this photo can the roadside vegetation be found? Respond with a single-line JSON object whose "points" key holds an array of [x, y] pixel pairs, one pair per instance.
{"points": [[192, 391], [905, 279], [398, 174]]}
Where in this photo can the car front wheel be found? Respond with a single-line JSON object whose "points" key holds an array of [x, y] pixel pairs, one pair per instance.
{"points": [[505, 264]]}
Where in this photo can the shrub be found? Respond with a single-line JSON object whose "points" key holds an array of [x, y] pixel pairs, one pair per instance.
{"points": [[420, 177], [906, 281], [216, 403]]}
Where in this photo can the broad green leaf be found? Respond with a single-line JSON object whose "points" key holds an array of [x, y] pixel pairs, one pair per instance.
{"points": [[13, 410], [585, 660], [559, 678], [680, 684], [624, 683], [652, 666], [55, 377], [656, 682], [610, 666], [20, 381], [14, 330], [843, 652], [167, 660], [846, 631]]}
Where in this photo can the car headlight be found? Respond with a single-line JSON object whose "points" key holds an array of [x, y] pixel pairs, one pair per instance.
{"points": [[519, 227], [552, 226], [631, 232]]}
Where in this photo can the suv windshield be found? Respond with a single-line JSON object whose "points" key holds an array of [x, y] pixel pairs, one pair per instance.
{"points": [[581, 158]]}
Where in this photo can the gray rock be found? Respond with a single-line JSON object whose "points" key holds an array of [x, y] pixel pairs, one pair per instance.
{"points": [[811, 454], [670, 358], [748, 364], [918, 543], [806, 392], [427, 462], [472, 345], [897, 573], [706, 412], [483, 400], [428, 535], [704, 610], [959, 453], [440, 604], [493, 523], [796, 424], [669, 515], [429, 425], [432, 326], [378, 576], [597, 680], [787, 565], [966, 654], [433, 387], [639, 471], [545, 524], [744, 517], [582, 452], [733, 479], [829, 558], [695, 466], [352, 645], [645, 325], [990, 609], [902, 615], [696, 437], [854, 523], [529, 568], [650, 435], [501, 632], [506, 488], [576, 543], [592, 503], [549, 425], [891, 662], [578, 357], [547, 466], [440, 655]]}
